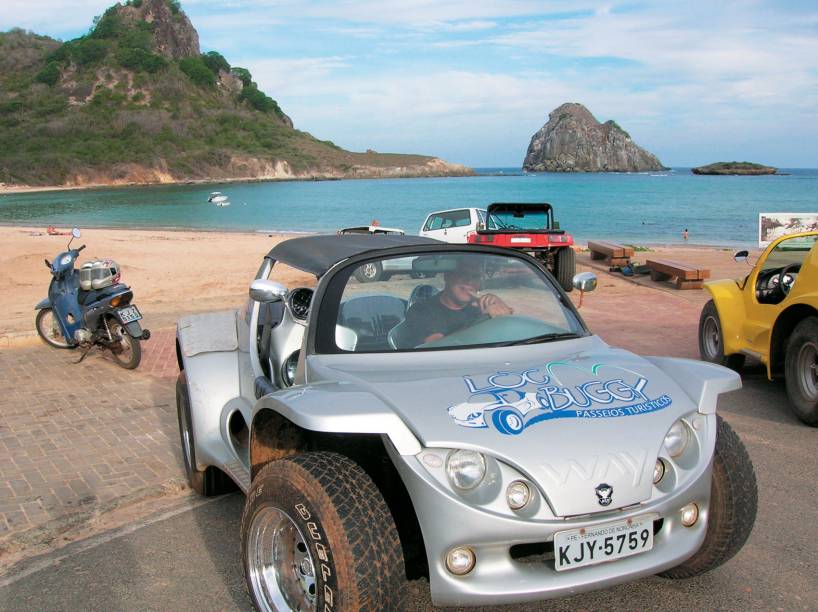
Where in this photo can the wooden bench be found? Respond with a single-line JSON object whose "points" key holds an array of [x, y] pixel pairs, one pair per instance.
{"points": [[614, 254], [686, 275]]}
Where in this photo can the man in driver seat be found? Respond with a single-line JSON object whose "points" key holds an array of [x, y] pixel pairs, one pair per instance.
{"points": [[456, 307]]}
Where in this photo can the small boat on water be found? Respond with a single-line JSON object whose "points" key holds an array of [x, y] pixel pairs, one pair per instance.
{"points": [[213, 197], [219, 200]]}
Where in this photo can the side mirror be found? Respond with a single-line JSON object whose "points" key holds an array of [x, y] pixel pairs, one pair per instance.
{"points": [[585, 281], [739, 256], [265, 291], [76, 233]]}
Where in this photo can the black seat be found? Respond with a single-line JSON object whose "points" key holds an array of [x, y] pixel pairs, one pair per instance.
{"points": [[398, 336], [94, 295], [422, 292]]}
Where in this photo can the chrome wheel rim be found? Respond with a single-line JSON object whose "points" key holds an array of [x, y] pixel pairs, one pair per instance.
{"points": [[50, 328], [808, 369], [188, 456], [710, 337], [279, 563], [369, 271]]}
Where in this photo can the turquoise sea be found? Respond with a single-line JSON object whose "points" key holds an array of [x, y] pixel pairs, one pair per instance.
{"points": [[639, 208]]}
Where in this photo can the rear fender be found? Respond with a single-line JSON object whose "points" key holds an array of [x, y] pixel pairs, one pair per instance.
{"points": [[133, 328], [340, 408], [729, 301], [208, 349], [44, 303]]}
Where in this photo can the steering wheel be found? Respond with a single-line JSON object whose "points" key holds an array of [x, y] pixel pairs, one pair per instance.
{"points": [[785, 288], [486, 329]]}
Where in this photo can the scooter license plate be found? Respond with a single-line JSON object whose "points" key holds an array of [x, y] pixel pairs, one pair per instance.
{"points": [[129, 314]]}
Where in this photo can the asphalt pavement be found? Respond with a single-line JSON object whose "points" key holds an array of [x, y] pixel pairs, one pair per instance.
{"points": [[188, 557]]}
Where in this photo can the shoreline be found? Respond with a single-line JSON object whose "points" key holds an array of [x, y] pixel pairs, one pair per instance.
{"points": [[6, 189], [581, 243]]}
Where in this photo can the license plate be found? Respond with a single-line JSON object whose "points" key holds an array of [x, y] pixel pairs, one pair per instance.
{"points": [[521, 240], [600, 543], [129, 314]]}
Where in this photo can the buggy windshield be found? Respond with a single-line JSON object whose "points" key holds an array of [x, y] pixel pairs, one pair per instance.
{"points": [[450, 299], [519, 218]]}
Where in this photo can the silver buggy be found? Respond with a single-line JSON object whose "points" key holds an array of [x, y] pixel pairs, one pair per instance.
{"points": [[457, 421]]}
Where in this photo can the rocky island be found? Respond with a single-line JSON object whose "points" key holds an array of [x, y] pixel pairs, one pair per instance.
{"points": [[135, 101], [574, 141], [734, 168]]}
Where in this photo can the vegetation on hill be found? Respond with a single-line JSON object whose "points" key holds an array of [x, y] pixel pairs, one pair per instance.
{"points": [[735, 168], [134, 100]]}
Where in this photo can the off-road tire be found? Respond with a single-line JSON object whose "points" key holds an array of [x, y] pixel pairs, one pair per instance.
{"points": [[38, 323], [800, 388], [369, 272], [733, 506], [208, 482], [713, 351], [565, 266], [345, 523]]}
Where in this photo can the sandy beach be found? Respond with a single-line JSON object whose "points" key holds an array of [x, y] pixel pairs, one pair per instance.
{"points": [[178, 272]]}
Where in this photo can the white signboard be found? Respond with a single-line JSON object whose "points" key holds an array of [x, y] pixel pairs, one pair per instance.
{"points": [[775, 225]]}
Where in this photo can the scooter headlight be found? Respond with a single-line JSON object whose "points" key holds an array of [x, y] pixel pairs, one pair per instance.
{"points": [[65, 260], [466, 468]]}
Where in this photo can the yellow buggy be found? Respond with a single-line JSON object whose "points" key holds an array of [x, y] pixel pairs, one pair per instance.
{"points": [[772, 315]]}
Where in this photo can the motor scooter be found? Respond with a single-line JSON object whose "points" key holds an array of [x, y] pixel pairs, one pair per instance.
{"points": [[90, 307]]}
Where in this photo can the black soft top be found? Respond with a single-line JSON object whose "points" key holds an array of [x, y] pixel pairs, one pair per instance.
{"points": [[317, 254]]}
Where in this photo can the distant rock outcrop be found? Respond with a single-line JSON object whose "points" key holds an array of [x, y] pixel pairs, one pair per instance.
{"points": [[574, 141], [173, 35], [734, 168]]}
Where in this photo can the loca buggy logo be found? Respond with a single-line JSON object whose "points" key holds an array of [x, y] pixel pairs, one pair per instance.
{"points": [[513, 401]]}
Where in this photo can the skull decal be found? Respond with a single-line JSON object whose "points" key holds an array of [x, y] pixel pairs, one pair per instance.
{"points": [[604, 494]]}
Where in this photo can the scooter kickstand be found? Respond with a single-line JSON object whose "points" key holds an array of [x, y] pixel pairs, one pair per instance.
{"points": [[84, 354]]}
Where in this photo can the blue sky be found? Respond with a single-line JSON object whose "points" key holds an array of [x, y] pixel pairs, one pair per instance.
{"points": [[471, 81]]}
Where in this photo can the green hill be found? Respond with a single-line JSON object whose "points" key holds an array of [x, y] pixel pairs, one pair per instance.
{"points": [[135, 101]]}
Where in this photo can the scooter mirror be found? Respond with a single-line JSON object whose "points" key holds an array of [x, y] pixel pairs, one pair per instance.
{"points": [[741, 256], [76, 233]]}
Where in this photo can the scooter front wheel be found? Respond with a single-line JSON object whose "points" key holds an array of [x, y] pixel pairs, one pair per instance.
{"points": [[126, 350], [49, 329]]}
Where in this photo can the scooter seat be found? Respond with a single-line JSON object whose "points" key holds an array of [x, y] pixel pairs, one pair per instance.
{"points": [[95, 295]]}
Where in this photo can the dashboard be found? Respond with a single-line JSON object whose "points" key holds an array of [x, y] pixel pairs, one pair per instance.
{"points": [[768, 285]]}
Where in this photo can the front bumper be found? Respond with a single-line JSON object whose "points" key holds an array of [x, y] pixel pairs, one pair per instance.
{"points": [[499, 578]]}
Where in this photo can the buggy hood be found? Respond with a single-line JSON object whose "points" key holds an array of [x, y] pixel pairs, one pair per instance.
{"points": [[569, 415]]}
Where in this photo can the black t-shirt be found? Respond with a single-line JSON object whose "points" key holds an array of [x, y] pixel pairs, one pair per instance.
{"points": [[431, 317]]}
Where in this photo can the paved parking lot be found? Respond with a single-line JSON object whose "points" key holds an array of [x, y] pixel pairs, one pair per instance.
{"points": [[79, 438]]}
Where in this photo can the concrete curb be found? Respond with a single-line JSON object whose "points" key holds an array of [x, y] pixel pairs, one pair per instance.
{"points": [[20, 339]]}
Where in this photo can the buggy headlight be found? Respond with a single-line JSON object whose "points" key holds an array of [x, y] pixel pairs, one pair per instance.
{"points": [[518, 494], [465, 468], [289, 368], [676, 438]]}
